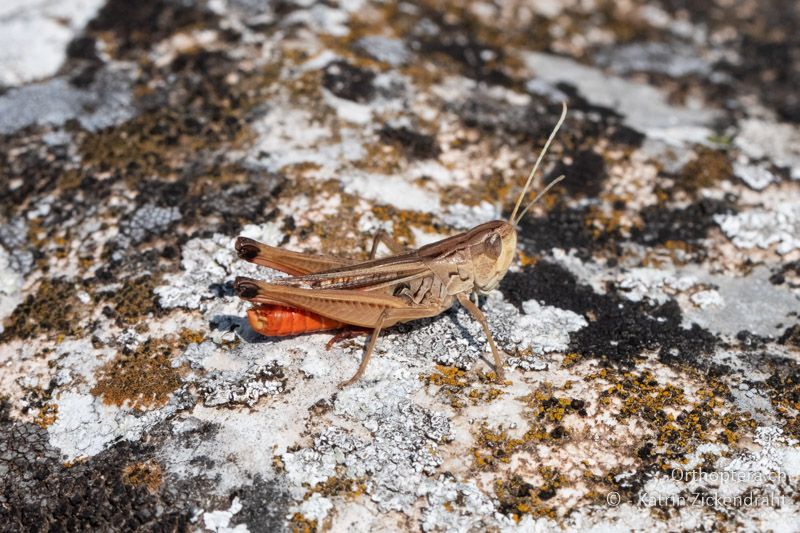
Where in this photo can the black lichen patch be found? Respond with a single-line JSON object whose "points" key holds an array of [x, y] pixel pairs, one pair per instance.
{"points": [[139, 25], [563, 227], [39, 493], [241, 198], [766, 46], [791, 336], [264, 505], [83, 60], [531, 122], [412, 143], [82, 47], [619, 330], [135, 300], [349, 81], [163, 193], [459, 45], [27, 169], [788, 273], [773, 65], [690, 224], [518, 497], [552, 284], [626, 136], [528, 126], [54, 309], [585, 175], [625, 330]]}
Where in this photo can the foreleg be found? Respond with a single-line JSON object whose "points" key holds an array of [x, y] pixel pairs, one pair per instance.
{"points": [[478, 315]]}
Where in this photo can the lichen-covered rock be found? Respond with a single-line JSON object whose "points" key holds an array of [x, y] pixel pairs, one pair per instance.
{"points": [[650, 321]]}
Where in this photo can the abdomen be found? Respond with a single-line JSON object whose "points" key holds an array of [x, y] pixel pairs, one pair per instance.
{"points": [[280, 321]]}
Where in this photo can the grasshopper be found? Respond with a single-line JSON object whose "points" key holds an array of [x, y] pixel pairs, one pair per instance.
{"points": [[325, 292]]}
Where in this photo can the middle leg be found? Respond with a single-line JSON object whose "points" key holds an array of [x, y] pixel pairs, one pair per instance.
{"points": [[349, 332], [382, 236]]}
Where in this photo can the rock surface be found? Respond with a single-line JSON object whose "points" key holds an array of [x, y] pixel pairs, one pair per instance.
{"points": [[650, 321]]}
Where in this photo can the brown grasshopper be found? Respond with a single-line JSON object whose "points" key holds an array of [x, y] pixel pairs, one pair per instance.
{"points": [[325, 292]]}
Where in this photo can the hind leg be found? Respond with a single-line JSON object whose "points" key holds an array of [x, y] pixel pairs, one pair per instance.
{"points": [[365, 360]]}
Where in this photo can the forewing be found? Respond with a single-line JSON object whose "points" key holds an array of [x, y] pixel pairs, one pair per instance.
{"points": [[371, 276]]}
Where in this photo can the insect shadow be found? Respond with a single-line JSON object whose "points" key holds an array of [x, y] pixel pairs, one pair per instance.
{"points": [[238, 325]]}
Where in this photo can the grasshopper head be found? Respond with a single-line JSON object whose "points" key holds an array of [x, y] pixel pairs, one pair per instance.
{"points": [[495, 244], [496, 241]]}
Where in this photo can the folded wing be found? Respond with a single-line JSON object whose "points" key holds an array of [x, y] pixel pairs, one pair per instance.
{"points": [[359, 308]]}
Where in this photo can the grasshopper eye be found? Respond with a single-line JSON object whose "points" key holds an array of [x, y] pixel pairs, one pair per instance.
{"points": [[493, 246]]}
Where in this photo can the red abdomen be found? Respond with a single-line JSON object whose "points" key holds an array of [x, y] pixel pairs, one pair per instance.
{"points": [[279, 321]]}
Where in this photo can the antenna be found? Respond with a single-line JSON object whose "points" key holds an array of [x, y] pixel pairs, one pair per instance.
{"points": [[542, 193], [513, 219]]}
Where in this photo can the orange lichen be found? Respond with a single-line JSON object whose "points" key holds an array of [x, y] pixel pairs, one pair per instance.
{"points": [[570, 359], [47, 415], [517, 497], [449, 376], [707, 169], [404, 220], [339, 486], [678, 423], [300, 524], [188, 336], [380, 158], [526, 260], [148, 474], [458, 386], [143, 378], [494, 447]]}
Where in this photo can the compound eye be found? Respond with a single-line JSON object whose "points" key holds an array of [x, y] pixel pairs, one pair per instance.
{"points": [[493, 246]]}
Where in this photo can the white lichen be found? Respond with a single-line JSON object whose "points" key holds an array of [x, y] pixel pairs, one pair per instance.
{"points": [[763, 228], [34, 36], [780, 142], [644, 107], [707, 298], [757, 177], [108, 101], [11, 283], [207, 264], [219, 521]]}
